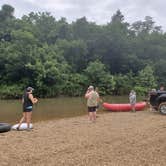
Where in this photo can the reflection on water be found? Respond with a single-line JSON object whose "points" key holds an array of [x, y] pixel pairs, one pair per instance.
{"points": [[11, 110]]}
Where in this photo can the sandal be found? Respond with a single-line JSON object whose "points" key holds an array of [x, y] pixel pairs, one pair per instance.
{"points": [[17, 128]]}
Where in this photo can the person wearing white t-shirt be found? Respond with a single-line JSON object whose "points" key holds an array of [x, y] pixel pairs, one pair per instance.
{"points": [[92, 101]]}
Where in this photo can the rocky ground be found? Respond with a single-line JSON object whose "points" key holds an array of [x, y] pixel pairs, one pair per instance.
{"points": [[115, 139]]}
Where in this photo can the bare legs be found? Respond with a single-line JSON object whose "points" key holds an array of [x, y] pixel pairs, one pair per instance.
{"points": [[92, 116], [133, 108], [25, 118], [29, 116]]}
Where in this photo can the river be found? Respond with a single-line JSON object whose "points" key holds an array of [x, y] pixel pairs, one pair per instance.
{"points": [[55, 108]]}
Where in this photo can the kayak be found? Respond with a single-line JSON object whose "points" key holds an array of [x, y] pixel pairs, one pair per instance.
{"points": [[124, 107]]}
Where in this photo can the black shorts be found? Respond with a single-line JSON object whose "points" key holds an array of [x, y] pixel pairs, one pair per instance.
{"points": [[27, 109], [91, 109]]}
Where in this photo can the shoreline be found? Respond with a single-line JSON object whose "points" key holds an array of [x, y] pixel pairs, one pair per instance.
{"points": [[122, 139]]}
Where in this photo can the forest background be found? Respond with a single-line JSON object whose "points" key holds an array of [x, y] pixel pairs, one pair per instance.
{"points": [[60, 58]]}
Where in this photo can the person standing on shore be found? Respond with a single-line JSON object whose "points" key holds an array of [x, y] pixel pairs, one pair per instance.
{"points": [[92, 101], [132, 99], [27, 100]]}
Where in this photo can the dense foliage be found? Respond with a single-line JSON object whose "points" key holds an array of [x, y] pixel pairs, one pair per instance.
{"points": [[58, 58]]}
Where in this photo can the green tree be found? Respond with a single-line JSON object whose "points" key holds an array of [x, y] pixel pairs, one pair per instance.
{"points": [[145, 27], [98, 76], [74, 84], [115, 44], [160, 71], [75, 53], [6, 12], [145, 80], [124, 83], [61, 58]]}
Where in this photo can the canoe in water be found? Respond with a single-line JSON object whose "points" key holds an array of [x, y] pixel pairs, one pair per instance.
{"points": [[124, 107]]}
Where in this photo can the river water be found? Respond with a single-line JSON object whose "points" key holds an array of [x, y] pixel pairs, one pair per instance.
{"points": [[47, 109]]}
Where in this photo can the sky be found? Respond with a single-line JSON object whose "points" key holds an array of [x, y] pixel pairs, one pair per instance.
{"points": [[99, 11]]}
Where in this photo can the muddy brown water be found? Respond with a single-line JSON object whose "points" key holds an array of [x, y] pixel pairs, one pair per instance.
{"points": [[55, 108]]}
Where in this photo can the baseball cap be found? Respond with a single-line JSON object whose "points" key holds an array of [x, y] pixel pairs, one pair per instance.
{"points": [[29, 89], [90, 87]]}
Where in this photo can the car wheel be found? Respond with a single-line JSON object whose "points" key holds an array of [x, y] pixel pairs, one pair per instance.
{"points": [[162, 108]]}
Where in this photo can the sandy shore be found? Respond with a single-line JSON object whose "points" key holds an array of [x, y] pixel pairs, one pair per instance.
{"points": [[116, 139]]}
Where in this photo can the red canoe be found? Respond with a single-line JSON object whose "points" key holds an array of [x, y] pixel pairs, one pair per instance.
{"points": [[124, 107]]}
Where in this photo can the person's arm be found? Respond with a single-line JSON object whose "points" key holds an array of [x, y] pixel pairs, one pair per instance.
{"points": [[87, 94], [34, 100]]}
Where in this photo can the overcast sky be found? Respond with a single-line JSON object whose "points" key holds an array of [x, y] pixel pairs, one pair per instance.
{"points": [[99, 11]]}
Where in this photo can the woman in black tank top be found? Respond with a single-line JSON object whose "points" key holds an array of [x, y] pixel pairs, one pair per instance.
{"points": [[27, 103], [27, 100]]}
